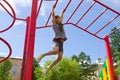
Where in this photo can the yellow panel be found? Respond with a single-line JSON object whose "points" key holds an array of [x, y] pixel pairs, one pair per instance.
{"points": [[104, 74], [108, 69]]}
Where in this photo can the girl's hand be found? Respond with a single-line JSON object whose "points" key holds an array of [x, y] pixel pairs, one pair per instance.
{"points": [[63, 11]]}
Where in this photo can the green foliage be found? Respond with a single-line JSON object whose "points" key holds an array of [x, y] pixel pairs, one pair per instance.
{"points": [[38, 74], [115, 48], [35, 66], [4, 70], [117, 69], [67, 69], [86, 69], [115, 45], [75, 68]]}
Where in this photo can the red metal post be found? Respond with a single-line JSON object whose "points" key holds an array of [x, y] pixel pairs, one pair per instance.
{"points": [[109, 56], [25, 49], [30, 52]]}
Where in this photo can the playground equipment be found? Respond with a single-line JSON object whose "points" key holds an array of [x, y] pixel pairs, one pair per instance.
{"points": [[105, 72], [26, 71], [10, 50]]}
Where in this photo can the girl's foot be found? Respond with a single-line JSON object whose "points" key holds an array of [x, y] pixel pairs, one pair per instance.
{"points": [[40, 58]]}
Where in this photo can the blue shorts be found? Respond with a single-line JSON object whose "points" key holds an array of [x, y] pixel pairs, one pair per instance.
{"points": [[57, 43]]}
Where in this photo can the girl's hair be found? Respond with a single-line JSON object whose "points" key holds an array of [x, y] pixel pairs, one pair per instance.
{"points": [[57, 16]]}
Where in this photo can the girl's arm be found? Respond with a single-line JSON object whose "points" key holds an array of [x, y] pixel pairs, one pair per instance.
{"points": [[53, 16], [62, 15]]}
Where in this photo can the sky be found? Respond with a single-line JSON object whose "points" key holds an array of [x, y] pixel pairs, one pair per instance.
{"points": [[78, 40]]}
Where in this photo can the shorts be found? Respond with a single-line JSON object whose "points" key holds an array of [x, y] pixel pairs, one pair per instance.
{"points": [[57, 43]]}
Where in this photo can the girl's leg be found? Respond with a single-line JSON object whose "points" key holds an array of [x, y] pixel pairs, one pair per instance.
{"points": [[53, 52], [60, 54]]}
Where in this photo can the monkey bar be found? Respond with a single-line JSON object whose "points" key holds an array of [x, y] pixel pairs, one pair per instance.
{"points": [[28, 52], [10, 49], [106, 8], [12, 15]]}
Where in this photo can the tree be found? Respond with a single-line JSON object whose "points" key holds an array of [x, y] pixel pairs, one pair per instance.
{"points": [[5, 70], [115, 48], [67, 69], [75, 68], [115, 45], [117, 68], [85, 67], [35, 66]]}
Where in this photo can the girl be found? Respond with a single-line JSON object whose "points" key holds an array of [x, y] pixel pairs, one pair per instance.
{"points": [[58, 40]]}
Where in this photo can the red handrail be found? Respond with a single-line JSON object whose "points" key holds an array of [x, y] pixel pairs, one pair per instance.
{"points": [[10, 50], [13, 16], [75, 25], [47, 26], [21, 19]]}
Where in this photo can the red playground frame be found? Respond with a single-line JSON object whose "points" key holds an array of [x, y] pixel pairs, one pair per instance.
{"points": [[28, 53]]}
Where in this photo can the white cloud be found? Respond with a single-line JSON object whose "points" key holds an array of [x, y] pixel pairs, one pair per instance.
{"points": [[22, 3], [43, 10], [16, 4], [3, 54], [18, 23], [18, 57]]}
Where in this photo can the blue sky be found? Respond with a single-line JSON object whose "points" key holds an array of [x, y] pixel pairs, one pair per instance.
{"points": [[77, 40]]}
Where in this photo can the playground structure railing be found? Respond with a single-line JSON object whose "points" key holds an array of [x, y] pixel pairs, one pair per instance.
{"points": [[31, 29], [105, 71]]}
